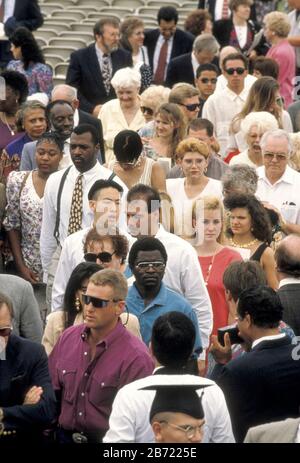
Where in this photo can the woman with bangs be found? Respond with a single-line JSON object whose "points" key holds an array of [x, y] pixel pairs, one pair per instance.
{"points": [[249, 230], [214, 257]]}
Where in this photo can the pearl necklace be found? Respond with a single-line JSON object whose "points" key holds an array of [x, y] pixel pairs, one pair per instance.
{"points": [[246, 246], [7, 124]]}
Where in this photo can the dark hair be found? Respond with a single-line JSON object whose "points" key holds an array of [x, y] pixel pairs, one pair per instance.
{"points": [[239, 276], [235, 56], [81, 272], [261, 225], [8, 302], [18, 84], [195, 22], [147, 193], [146, 244], [127, 145], [206, 67], [173, 339], [51, 137], [100, 185], [109, 20], [31, 52], [262, 304], [87, 128], [201, 124], [119, 243], [266, 66], [51, 105], [234, 4], [167, 13], [287, 261]]}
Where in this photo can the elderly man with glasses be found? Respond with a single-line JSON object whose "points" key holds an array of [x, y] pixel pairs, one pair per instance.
{"points": [[278, 184]]}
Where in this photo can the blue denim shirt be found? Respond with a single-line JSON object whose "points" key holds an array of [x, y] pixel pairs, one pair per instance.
{"points": [[166, 300]]}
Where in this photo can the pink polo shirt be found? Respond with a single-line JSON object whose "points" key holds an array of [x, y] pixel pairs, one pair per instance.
{"points": [[284, 54]]}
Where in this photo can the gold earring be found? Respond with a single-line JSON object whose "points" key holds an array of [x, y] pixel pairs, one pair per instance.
{"points": [[77, 304]]}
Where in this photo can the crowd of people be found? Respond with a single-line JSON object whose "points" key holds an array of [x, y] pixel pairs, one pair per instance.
{"points": [[150, 231]]}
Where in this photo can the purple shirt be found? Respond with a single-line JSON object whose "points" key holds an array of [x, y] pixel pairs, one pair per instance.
{"points": [[89, 388]]}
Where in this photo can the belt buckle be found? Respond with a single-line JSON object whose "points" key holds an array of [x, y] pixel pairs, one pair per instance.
{"points": [[79, 438]]}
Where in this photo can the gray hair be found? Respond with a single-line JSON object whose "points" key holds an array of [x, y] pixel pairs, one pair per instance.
{"points": [[206, 42], [126, 77], [263, 120], [278, 134], [70, 92], [240, 177]]}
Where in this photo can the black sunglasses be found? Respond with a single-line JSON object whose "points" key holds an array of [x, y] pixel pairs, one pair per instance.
{"points": [[105, 257], [205, 80], [191, 107], [231, 71], [6, 331], [96, 301], [145, 109]]}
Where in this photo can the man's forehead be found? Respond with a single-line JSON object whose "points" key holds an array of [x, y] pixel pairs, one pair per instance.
{"points": [[83, 137], [64, 108], [148, 256], [108, 193]]}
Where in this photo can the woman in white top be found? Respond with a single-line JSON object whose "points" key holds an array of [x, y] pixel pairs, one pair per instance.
{"points": [[124, 112], [253, 127], [131, 166], [191, 155]]}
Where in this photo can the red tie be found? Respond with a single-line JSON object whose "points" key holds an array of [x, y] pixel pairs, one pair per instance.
{"points": [[225, 9], [2, 11], [161, 65]]}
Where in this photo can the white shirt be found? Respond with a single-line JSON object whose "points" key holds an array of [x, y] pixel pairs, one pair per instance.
{"points": [[220, 109], [219, 10], [284, 194], [183, 274], [48, 242], [183, 205], [241, 33], [295, 31], [129, 419], [289, 281], [141, 57], [195, 64], [267, 338], [242, 158], [158, 46]]}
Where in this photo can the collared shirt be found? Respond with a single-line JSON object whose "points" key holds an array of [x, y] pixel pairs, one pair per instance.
{"points": [[129, 420], [267, 338], [158, 46], [165, 301], [289, 281], [88, 387], [283, 194], [222, 82], [48, 243], [220, 109], [100, 55]]}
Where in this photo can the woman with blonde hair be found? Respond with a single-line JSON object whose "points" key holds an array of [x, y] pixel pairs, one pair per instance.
{"points": [[263, 96], [151, 99], [192, 156], [214, 257]]}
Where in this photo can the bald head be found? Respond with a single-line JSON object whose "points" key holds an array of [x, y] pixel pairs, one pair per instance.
{"points": [[287, 257], [67, 93], [225, 52]]}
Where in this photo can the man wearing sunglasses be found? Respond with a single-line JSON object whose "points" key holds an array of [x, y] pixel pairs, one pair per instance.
{"points": [[27, 400], [91, 361], [221, 107], [187, 97], [149, 297], [104, 198], [278, 184], [206, 82]]}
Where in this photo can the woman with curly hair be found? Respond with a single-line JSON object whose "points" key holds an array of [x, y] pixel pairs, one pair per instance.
{"points": [[29, 60], [198, 22], [249, 231]]}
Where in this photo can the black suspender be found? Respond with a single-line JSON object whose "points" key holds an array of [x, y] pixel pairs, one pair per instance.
{"points": [[60, 189]]}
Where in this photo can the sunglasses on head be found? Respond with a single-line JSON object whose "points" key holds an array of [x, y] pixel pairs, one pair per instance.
{"points": [[105, 257], [145, 109], [231, 71], [191, 107], [5, 331], [96, 301], [206, 80]]}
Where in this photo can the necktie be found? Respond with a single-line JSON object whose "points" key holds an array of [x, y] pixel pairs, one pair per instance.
{"points": [[2, 11], [76, 207], [106, 72], [161, 65], [225, 9]]}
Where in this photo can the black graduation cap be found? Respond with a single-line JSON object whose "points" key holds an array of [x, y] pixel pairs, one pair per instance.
{"points": [[177, 398]]}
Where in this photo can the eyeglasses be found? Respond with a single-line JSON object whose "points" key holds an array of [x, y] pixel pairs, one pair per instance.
{"points": [[231, 71], [191, 107], [206, 80], [145, 109], [278, 157], [154, 265], [5, 331], [105, 257], [96, 301], [190, 431]]}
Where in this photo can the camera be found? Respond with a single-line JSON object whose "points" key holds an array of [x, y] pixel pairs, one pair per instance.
{"points": [[233, 331]]}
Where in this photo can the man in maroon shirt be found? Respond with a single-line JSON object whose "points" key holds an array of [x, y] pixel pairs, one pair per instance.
{"points": [[92, 361]]}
